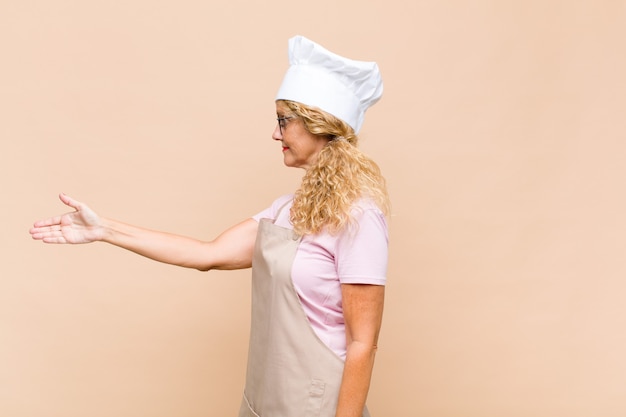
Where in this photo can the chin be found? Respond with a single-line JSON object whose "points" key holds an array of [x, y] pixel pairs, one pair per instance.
{"points": [[290, 163]]}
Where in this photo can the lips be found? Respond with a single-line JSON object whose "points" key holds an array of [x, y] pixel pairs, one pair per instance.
{"points": [[285, 148]]}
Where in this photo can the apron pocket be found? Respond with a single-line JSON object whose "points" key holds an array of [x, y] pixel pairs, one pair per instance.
{"points": [[316, 398]]}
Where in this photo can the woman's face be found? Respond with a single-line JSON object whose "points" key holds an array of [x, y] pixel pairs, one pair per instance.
{"points": [[300, 147]]}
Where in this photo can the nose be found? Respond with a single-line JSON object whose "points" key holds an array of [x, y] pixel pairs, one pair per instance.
{"points": [[276, 135]]}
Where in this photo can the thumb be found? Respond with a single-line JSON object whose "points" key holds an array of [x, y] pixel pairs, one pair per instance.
{"points": [[69, 201]]}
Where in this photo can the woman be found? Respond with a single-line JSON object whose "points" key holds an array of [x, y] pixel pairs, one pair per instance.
{"points": [[318, 257]]}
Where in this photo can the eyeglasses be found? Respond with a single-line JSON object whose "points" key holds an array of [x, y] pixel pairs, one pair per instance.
{"points": [[282, 122]]}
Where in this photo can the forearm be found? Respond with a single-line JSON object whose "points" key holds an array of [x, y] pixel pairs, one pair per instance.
{"points": [[170, 248], [356, 379], [159, 246]]}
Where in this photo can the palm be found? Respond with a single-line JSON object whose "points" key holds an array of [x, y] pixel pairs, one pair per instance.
{"points": [[81, 226]]}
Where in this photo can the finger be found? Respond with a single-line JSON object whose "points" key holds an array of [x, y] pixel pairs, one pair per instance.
{"points": [[69, 201], [48, 236], [36, 234], [54, 239], [46, 229], [52, 221]]}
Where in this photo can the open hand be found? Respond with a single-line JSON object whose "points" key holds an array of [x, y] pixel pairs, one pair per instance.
{"points": [[82, 225]]}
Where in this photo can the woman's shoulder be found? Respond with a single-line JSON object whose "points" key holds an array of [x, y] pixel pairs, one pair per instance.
{"points": [[271, 212], [366, 218], [365, 204], [282, 200]]}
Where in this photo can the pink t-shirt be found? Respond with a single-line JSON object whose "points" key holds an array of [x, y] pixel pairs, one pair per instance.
{"points": [[357, 255]]}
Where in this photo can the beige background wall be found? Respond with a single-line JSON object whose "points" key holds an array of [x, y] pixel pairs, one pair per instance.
{"points": [[501, 133]]}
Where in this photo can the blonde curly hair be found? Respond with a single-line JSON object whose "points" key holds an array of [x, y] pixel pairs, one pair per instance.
{"points": [[340, 176]]}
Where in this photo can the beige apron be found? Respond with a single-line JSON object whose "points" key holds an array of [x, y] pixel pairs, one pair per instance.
{"points": [[291, 372]]}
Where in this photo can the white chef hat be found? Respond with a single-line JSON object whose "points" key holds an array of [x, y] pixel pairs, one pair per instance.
{"points": [[340, 86]]}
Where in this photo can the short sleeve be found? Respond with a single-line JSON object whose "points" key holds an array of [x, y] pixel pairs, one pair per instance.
{"points": [[362, 249]]}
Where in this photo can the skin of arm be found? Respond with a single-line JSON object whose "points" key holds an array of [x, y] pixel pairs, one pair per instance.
{"points": [[363, 311], [230, 250]]}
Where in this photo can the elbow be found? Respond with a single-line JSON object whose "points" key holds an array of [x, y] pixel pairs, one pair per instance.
{"points": [[362, 350], [203, 268], [230, 265]]}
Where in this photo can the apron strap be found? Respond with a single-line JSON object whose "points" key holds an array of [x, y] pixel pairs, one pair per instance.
{"points": [[280, 209]]}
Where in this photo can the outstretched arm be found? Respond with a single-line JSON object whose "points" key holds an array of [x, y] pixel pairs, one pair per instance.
{"points": [[230, 250]]}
